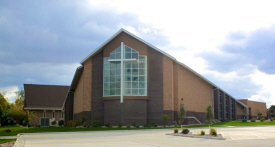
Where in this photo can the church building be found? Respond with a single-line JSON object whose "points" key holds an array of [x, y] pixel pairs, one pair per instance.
{"points": [[127, 80]]}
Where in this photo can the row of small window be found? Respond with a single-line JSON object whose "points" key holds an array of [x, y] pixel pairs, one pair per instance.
{"points": [[133, 64], [135, 91], [128, 54], [134, 71], [126, 78], [116, 92], [114, 65], [126, 85]]}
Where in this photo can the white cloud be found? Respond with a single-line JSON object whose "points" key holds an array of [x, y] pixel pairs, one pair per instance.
{"points": [[10, 92], [266, 93]]}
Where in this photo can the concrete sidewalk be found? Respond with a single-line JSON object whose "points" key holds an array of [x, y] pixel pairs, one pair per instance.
{"points": [[8, 137], [237, 136]]}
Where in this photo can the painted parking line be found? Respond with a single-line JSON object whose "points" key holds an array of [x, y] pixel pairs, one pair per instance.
{"points": [[255, 135], [246, 135]]}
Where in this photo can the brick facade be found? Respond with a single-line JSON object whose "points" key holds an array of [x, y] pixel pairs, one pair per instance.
{"points": [[169, 84]]}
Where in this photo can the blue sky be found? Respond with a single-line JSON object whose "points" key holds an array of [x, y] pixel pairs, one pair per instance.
{"points": [[231, 43]]}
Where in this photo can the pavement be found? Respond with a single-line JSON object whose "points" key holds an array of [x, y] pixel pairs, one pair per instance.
{"points": [[235, 136]]}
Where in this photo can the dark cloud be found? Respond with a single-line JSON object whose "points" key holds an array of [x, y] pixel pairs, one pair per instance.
{"points": [[42, 41], [257, 48]]}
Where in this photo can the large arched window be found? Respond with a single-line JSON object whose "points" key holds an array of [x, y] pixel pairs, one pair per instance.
{"points": [[134, 73]]}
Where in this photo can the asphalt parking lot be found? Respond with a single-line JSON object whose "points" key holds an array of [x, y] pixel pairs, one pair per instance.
{"points": [[235, 136]]}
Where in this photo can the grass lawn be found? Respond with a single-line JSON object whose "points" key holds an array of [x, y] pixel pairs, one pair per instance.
{"points": [[15, 129], [6, 140]]}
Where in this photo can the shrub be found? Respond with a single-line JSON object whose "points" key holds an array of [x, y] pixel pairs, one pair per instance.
{"points": [[96, 123], [119, 126], [185, 131], [39, 125], [165, 119], [128, 127], [53, 122], [244, 120], [134, 124], [110, 126], [202, 132], [176, 130], [7, 130], [146, 126], [83, 120], [61, 122], [72, 123], [107, 125], [253, 120], [262, 119], [271, 119], [213, 132], [137, 126], [153, 124]]}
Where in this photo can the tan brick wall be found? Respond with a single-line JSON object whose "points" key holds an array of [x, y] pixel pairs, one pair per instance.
{"points": [[39, 114], [254, 105], [78, 96], [87, 85], [168, 101], [195, 91], [257, 106], [239, 111]]}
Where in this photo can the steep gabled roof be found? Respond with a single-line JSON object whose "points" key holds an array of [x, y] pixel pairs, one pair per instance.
{"points": [[41, 97], [159, 50]]}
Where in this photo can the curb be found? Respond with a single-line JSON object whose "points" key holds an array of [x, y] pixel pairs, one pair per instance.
{"points": [[195, 136]]}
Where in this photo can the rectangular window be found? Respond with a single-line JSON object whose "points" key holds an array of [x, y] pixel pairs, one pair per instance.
{"points": [[44, 114], [226, 107], [221, 105], [62, 114], [135, 73], [53, 115], [232, 109]]}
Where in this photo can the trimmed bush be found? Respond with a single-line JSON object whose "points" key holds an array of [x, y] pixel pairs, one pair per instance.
{"points": [[213, 132], [262, 119], [61, 122], [119, 126], [253, 120], [96, 124], [176, 130], [271, 119], [137, 126], [153, 124], [72, 123], [53, 122], [202, 132], [128, 127], [146, 126], [107, 125], [134, 124], [244, 120], [185, 131]]}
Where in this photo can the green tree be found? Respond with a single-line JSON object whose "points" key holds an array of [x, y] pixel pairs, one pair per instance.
{"points": [[4, 105], [259, 113], [165, 119], [181, 114], [209, 115]]}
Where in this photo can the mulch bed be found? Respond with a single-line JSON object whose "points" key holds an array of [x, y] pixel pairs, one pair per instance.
{"points": [[190, 134]]}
